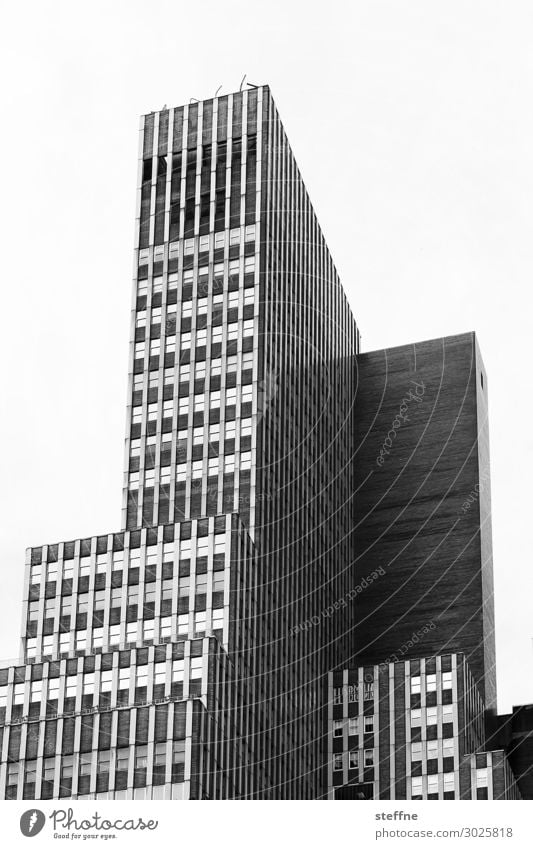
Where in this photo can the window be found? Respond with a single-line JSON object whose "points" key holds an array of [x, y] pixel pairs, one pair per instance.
{"points": [[249, 233], [123, 757], [81, 640], [36, 691], [51, 572], [71, 682], [18, 694], [141, 677], [448, 748], [35, 574], [160, 673], [351, 689], [48, 769], [48, 644], [117, 561], [246, 427], [432, 749], [416, 717], [431, 715], [353, 725], [353, 760], [33, 611], [88, 683], [86, 761], [178, 667], [220, 543], [148, 630], [53, 689], [83, 602], [449, 781], [104, 760], [202, 546], [101, 563], [233, 331], [235, 236], [368, 690], [431, 683], [218, 619], [415, 684], [114, 634], [446, 680], [416, 751], [337, 695], [141, 757], [369, 757], [369, 724], [337, 762], [200, 622], [218, 582], [433, 784], [106, 681], [183, 623], [338, 725]]}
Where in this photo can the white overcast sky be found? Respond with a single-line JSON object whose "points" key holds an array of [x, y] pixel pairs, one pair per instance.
{"points": [[412, 124]]}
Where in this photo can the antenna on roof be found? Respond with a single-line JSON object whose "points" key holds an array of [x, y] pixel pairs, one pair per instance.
{"points": [[251, 85], [217, 91], [242, 83]]}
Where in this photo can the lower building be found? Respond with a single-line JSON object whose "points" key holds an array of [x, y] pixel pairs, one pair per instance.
{"points": [[412, 729], [514, 732], [128, 686]]}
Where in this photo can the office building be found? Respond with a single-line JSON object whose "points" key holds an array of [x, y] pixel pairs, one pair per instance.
{"points": [[167, 655]]}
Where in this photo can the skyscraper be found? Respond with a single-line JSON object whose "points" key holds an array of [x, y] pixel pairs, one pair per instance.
{"points": [[156, 659], [276, 544], [423, 504]]}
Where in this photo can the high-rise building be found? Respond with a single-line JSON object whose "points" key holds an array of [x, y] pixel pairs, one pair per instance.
{"points": [[293, 512], [166, 660], [422, 506], [413, 729]]}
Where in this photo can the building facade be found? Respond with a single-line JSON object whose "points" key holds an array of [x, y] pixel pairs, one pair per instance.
{"points": [[422, 506], [241, 389], [412, 729], [294, 515]]}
